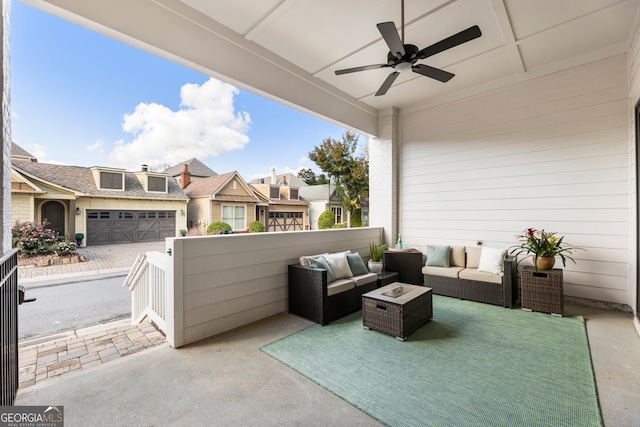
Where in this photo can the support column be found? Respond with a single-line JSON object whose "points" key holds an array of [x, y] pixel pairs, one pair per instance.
{"points": [[384, 186], [5, 129]]}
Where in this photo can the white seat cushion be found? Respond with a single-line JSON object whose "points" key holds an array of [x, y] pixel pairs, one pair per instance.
{"points": [[480, 276], [442, 271], [363, 279], [340, 285]]}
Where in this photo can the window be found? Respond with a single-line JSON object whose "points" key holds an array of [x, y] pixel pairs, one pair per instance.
{"points": [[111, 181], [337, 211], [234, 216], [157, 183], [125, 215], [293, 194], [274, 192], [98, 215]]}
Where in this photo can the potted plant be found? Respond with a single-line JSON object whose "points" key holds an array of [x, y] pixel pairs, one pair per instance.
{"points": [[544, 247], [376, 252], [79, 237], [183, 232]]}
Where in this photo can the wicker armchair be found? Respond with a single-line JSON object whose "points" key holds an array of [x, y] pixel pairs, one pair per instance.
{"points": [[308, 296]]}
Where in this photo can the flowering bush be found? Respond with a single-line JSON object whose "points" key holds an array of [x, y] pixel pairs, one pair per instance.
{"points": [[540, 243], [64, 247], [36, 239]]}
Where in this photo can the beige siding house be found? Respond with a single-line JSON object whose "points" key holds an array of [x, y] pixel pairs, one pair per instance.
{"points": [[227, 198], [286, 210], [107, 205]]}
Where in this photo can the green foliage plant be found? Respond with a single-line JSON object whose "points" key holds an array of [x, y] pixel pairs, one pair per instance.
{"points": [[376, 251], [256, 227], [218, 226], [540, 243], [326, 219]]}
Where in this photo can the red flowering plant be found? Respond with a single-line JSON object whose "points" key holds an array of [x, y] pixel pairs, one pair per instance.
{"points": [[540, 243]]}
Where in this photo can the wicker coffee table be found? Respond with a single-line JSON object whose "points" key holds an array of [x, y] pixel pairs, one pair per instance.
{"points": [[397, 309]]}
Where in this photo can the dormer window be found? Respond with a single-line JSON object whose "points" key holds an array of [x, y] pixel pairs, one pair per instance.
{"points": [[274, 192], [157, 183], [293, 194], [111, 181]]}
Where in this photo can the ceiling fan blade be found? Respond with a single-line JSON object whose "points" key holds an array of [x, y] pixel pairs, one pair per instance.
{"points": [[387, 83], [452, 41], [390, 35], [364, 68], [434, 73]]}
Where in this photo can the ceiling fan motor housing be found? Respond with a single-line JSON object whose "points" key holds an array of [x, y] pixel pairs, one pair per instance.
{"points": [[410, 52]]}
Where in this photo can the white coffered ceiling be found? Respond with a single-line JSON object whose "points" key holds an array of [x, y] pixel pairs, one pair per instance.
{"points": [[289, 50]]}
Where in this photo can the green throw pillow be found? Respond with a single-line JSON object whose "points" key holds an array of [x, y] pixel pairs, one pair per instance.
{"points": [[356, 264], [320, 262], [438, 256]]}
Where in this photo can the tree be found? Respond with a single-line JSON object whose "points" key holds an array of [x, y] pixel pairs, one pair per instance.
{"points": [[348, 170], [310, 178]]}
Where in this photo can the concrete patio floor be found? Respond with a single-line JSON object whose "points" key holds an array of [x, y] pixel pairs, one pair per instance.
{"points": [[227, 380]]}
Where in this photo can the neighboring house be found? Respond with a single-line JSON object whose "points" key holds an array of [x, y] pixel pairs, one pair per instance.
{"points": [[285, 210], [107, 205], [290, 178], [226, 198], [19, 154], [195, 167], [322, 197]]}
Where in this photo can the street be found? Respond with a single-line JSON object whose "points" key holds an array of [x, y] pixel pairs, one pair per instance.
{"points": [[72, 304]]}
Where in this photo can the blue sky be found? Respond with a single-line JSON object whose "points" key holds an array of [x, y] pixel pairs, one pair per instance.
{"points": [[81, 98]]}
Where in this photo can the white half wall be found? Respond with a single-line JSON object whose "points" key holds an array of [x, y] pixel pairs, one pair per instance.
{"points": [[224, 282], [551, 153]]}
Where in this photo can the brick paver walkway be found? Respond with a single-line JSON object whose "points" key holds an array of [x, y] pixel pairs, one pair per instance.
{"points": [[100, 259], [86, 348], [89, 347]]}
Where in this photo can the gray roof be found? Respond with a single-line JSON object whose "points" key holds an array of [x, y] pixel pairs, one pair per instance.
{"points": [[292, 179], [80, 179], [18, 151], [316, 192], [196, 168]]}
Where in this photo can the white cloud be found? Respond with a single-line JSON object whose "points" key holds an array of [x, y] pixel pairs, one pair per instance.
{"points": [[205, 125], [96, 146]]}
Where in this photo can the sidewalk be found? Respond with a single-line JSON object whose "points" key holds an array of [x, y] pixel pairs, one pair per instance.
{"points": [[53, 356]]}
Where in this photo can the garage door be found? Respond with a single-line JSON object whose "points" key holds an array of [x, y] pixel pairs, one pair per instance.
{"points": [[285, 221], [106, 227]]}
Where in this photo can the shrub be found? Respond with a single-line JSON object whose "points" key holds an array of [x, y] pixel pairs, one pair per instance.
{"points": [[217, 227], [356, 218], [326, 220], [36, 239], [256, 227], [64, 247]]}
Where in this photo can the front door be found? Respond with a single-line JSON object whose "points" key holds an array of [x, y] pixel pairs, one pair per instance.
{"points": [[53, 214]]}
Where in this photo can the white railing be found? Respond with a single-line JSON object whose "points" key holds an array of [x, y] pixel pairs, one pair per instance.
{"points": [[148, 286]]}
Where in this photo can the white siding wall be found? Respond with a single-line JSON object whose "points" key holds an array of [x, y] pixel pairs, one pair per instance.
{"points": [[551, 153], [634, 98], [223, 282]]}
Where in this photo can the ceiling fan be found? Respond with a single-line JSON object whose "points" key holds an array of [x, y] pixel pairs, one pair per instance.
{"points": [[403, 57]]}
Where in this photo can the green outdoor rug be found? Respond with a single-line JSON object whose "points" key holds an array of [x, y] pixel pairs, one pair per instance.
{"points": [[473, 365]]}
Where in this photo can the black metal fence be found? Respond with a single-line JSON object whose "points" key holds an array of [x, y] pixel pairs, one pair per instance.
{"points": [[9, 327]]}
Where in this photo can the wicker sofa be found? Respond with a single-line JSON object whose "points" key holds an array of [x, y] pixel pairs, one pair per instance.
{"points": [[465, 277], [313, 296]]}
